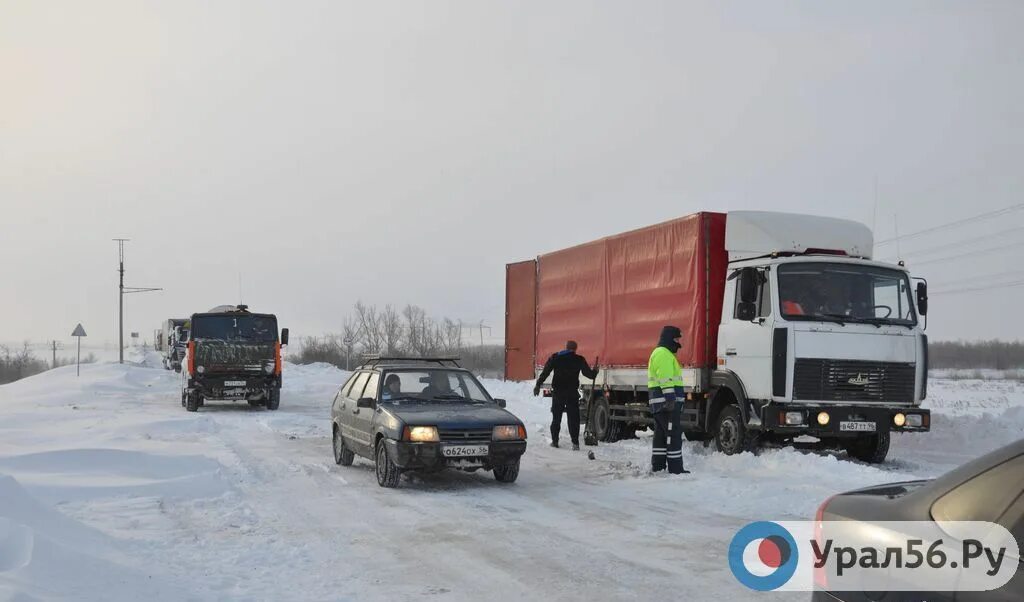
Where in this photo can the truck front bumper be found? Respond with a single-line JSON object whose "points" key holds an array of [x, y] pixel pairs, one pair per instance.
{"points": [[430, 456], [842, 421], [234, 386]]}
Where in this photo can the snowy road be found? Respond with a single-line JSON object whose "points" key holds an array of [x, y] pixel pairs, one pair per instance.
{"points": [[110, 490]]}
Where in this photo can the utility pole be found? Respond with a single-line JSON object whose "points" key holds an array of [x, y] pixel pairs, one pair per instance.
{"points": [[55, 346], [122, 290]]}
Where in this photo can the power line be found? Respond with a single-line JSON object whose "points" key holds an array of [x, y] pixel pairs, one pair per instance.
{"points": [[978, 288], [959, 281], [945, 247], [966, 220], [971, 254]]}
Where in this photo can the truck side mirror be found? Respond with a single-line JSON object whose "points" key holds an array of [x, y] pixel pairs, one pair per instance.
{"points": [[284, 336], [746, 311], [922, 298], [748, 285]]}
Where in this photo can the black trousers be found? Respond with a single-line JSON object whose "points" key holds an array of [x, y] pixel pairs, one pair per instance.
{"points": [[568, 402], [668, 440]]}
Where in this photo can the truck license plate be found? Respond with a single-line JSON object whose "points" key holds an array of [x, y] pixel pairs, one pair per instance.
{"points": [[461, 451], [234, 383], [857, 426]]}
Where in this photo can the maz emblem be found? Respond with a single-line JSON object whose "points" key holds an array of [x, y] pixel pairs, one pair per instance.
{"points": [[859, 380]]}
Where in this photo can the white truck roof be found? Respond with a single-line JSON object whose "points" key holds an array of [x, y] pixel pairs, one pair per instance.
{"points": [[757, 233]]}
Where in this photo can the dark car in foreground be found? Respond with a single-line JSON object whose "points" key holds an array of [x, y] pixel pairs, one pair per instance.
{"points": [[424, 415], [989, 489]]}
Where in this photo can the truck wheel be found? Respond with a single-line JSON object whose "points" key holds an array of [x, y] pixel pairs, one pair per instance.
{"points": [[871, 449], [342, 454], [605, 429], [274, 399], [388, 474], [192, 402], [731, 435], [507, 473]]}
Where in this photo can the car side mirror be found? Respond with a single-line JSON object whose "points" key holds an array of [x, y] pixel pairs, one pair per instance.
{"points": [[284, 336], [501, 403], [746, 311], [922, 298], [365, 402]]}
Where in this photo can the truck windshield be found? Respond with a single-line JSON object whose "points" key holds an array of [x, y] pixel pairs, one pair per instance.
{"points": [[259, 329], [844, 292], [432, 385]]}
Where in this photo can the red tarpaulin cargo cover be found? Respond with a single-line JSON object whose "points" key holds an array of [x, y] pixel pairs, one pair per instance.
{"points": [[614, 295]]}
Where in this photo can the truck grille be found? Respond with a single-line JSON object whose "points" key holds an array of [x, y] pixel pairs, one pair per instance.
{"points": [[478, 435], [853, 380]]}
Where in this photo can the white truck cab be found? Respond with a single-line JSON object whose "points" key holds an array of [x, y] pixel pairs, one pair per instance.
{"points": [[816, 339]]}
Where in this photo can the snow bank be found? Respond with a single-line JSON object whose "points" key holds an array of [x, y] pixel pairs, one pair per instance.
{"points": [[110, 490]]}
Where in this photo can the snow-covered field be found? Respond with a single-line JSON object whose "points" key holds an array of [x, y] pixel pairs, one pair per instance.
{"points": [[109, 490]]}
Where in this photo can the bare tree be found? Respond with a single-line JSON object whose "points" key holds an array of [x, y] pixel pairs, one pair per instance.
{"points": [[372, 338], [390, 331]]}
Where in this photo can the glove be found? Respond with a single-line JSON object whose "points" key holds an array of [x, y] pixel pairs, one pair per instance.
{"points": [[536, 391]]}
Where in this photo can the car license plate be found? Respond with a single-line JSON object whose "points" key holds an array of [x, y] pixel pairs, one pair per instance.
{"points": [[461, 451], [234, 383], [857, 426]]}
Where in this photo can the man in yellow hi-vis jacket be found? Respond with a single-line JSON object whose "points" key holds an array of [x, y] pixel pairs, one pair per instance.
{"points": [[665, 396]]}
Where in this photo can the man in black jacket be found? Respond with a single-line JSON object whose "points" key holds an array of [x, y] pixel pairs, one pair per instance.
{"points": [[565, 394]]}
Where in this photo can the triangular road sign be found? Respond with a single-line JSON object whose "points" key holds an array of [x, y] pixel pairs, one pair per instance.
{"points": [[79, 331]]}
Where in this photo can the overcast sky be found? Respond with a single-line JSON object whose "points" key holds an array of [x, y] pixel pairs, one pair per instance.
{"points": [[324, 152]]}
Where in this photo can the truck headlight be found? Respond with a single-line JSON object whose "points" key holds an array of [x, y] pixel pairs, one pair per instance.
{"points": [[899, 419], [508, 432], [421, 434], [915, 420], [823, 418], [794, 418], [200, 369]]}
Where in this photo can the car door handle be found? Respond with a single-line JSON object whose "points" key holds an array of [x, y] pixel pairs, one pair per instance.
{"points": [[730, 351]]}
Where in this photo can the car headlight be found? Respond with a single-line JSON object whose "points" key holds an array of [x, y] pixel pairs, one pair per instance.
{"points": [[508, 432], [200, 369], [422, 434], [899, 419], [823, 418]]}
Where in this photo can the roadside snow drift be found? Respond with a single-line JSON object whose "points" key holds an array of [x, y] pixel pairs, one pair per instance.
{"points": [[109, 490]]}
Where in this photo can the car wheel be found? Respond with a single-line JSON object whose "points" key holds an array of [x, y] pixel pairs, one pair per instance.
{"points": [[871, 449], [274, 400], [388, 474], [731, 436], [342, 455], [507, 473], [192, 402]]}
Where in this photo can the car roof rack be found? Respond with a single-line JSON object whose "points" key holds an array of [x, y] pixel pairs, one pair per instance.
{"points": [[372, 361]]}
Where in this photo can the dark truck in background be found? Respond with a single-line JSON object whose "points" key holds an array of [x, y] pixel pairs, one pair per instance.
{"points": [[234, 355]]}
